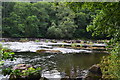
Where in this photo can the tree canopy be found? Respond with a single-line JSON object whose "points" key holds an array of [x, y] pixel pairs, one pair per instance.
{"points": [[47, 20]]}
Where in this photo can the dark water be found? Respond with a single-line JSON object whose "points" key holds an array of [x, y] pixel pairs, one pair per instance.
{"points": [[61, 62]]}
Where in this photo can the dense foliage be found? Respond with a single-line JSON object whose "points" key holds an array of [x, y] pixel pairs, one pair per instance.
{"points": [[46, 20], [107, 22]]}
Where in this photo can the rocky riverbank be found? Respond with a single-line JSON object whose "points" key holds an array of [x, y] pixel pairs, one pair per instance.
{"points": [[93, 73]]}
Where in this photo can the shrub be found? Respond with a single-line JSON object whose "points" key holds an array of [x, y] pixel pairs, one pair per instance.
{"points": [[37, 40], [110, 65]]}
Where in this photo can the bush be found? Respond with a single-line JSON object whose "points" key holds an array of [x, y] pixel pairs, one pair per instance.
{"points": [[110, 65]]}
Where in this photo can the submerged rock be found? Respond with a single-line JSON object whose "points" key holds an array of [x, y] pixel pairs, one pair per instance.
{"points": [[94, 73]]}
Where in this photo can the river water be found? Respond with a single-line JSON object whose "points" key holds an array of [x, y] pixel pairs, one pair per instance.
{"points": [[67, 62], [60, 62]]}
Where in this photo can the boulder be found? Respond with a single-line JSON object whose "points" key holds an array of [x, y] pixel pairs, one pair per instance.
{"points": [[94, 73], [22, 68]]}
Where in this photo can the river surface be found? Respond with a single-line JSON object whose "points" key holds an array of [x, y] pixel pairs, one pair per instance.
{"points": [[60, 62], [64, 63]]}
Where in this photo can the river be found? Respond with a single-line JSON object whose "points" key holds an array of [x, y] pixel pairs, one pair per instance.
{"points": [[60, 62], [63, 63]]}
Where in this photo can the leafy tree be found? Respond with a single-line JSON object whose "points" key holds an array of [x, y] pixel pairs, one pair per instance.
{"points": [[35, 20], [42, 10], [54, 32], [31, 28], [107, 22], [25, 17], [64, 22]]}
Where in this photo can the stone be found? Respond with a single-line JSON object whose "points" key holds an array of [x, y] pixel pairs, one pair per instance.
{"points": [[53, 41], [66, 41], [22, 68], [41, 51], [7, 50], [94, 73], [78, 41], [48, 51]]}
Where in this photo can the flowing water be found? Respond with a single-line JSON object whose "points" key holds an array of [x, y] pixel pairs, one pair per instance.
{"points": [[68, 62], [60, 62]]}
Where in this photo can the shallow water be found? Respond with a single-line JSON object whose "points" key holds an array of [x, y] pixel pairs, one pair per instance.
{"points": [[60, 62]]}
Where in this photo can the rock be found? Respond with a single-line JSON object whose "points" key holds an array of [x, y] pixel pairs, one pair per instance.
{"points": [[48, 51], [66, 41], [7, 50], [53, 41], [41, 51], [43, 78], [94, 73], [54, 51], [78, 41], [23, 68], [51, 75]]}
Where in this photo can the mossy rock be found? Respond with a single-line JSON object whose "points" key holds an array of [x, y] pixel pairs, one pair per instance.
{"points": [[26, 72], [66, 41], [7, 50], [53, 41], [23, 40], [48, 51], [41, 51]]}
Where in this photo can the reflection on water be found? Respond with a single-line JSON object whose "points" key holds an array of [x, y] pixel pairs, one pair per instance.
{"points": [[61, 62], [70, 65]]}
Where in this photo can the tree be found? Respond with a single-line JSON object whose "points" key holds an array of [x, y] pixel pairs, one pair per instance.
{"points": [[107, 22], [31, 27], [54, 32], [64, 21], [27, 19], [42, 10]]}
